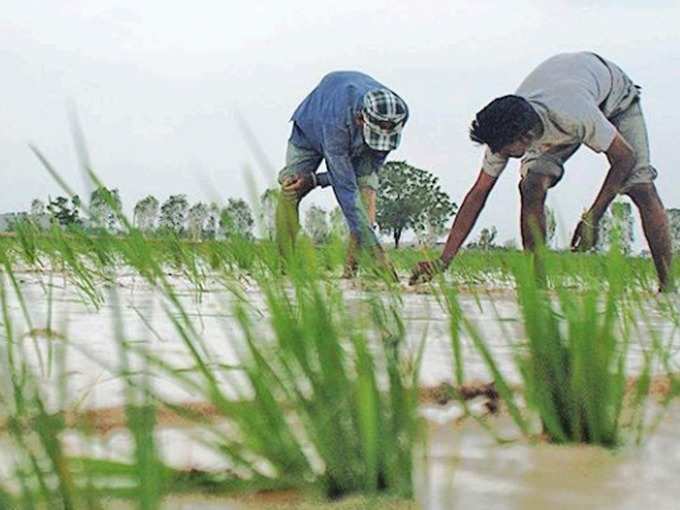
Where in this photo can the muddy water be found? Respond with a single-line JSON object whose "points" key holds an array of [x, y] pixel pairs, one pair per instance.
{"points": [[462, 467], [93, 347], [93, 352]]}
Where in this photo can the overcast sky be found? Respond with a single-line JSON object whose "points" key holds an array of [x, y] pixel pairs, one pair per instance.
{"points": [[159, 86]]}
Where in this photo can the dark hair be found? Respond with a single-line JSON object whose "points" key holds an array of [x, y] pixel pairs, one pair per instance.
{"points": [[503, 121]]}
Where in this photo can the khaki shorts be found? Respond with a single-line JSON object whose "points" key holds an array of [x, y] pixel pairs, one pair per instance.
{"points": [[630, 123], [300, 160]]}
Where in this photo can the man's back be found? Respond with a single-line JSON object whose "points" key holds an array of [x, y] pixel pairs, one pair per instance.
{"points": [[581, 74], [333, 103]]}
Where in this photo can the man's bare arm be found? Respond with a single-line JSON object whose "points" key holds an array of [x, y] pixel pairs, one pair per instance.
{"points": [[467, 215], [621, 158], [465, 219]]}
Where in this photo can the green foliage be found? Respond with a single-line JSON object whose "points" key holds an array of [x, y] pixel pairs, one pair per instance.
{"points": [[337, 224], [316, 224], [574, 362], [267, 213], [674, 223], [196, 220], [146, 213], [236, 219], [486, 241], [174, 214], [411, 199], [104, 204], [550, 226], [616, 228], [65, 212]]}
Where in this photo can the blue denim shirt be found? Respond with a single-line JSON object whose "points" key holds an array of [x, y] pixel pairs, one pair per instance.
{"points": [[326, 122]]}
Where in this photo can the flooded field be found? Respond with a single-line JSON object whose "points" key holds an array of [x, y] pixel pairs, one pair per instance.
{"points": [[74, 348], [133, 305]]}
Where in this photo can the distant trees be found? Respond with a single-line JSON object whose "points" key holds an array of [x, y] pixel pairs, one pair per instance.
{"points": [[104, 204], [174, 214], [64, 211], [617, 226], [267, 212], [674, 222], [337, 224], [550, 226], [486, 240], [196, 219], [237, 219], [146, 213], [37, 208], [316, 224], [212, 221], [410, 198]]}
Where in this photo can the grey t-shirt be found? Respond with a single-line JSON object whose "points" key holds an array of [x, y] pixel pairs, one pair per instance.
{"points": [[574, 94]]}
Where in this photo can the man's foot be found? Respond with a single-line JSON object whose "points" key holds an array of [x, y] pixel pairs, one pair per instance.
{"points": [[349, 273], [667, 288], [425, 271]]}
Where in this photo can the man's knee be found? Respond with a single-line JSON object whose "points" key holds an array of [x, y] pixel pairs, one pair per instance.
{"points": [[534, 187], [644, 195]]}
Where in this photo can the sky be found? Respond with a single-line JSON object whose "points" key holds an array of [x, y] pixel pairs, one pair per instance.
{"points": [[163, 89]]}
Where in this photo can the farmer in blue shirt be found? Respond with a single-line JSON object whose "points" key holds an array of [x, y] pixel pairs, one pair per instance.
{"points": [[352, 122]]}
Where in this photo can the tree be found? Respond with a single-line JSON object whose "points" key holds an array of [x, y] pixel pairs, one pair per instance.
{"points": [[38, 216], [174, 213], [674, 222], [267, 213], [104, 203], [316, 224], [550, 226], [411, 198], [337, 224], [616, 226], [196, 218], [486, 239], [37, 208], [212, 221], [435, 219], [65, 212], [237, 219], [146, 213]]}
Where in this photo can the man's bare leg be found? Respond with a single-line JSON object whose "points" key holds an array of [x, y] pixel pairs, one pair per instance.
{"points": [[533, 190], [368, 199], [656, 229]]}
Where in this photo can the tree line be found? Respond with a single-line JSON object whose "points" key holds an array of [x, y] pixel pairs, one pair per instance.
{"points": [[409, 199], [176, 215]]}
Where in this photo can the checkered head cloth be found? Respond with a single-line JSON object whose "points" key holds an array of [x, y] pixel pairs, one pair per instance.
{"points": [[384, 115]]}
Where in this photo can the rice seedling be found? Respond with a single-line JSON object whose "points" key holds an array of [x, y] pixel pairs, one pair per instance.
{"points": [[317, 378], [574, 364]]}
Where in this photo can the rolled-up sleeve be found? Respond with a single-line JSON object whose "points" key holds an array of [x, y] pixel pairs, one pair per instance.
{"points": [[493, 164], [344, 182], [379, 160]]}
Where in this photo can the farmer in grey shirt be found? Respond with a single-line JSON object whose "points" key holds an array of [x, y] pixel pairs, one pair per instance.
{"points": [[568, 100]]}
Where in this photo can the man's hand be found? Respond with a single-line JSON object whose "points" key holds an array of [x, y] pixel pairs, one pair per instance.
{"points": [[378, 254], [585, 235], [298, 186], [425, 271]]}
